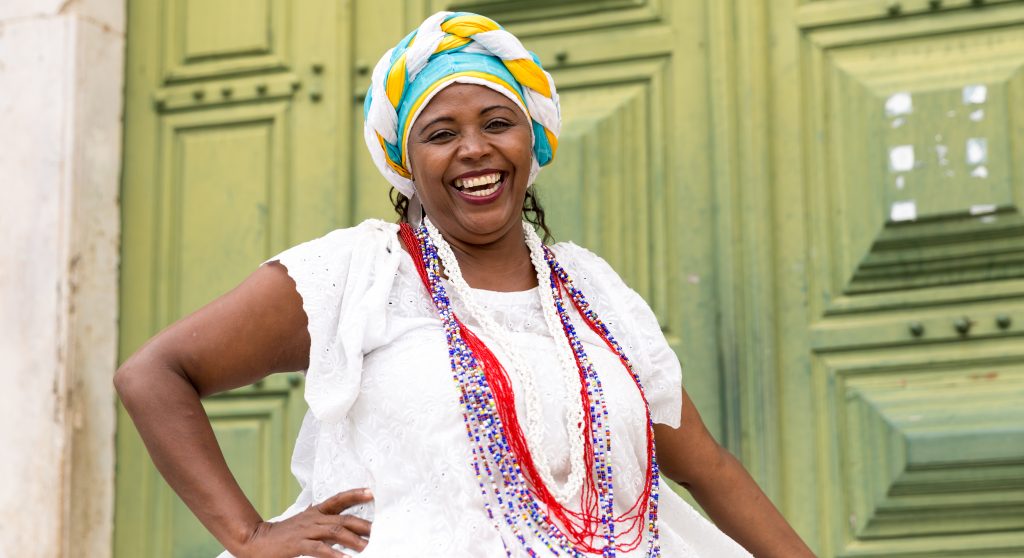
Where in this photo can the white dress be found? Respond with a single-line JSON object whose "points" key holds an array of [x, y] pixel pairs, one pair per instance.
{"points": [[384, 410]]}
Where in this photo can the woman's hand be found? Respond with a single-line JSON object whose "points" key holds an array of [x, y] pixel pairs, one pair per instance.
{"points": [[312, 532]]}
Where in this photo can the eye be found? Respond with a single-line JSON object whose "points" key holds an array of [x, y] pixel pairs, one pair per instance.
{"points": [[440, 135], [498, 124]]}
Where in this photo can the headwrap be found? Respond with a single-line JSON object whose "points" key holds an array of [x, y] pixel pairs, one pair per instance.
{"points": [[447, 48]]}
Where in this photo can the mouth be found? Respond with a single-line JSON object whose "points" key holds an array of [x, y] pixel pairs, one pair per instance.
{"points": [[481, 188]]}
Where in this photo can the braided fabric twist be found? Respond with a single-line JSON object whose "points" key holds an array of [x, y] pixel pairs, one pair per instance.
{"points": [[454, 47]]}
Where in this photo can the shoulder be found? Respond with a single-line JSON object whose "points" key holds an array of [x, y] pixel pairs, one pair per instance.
{"points": [[587, 264], [375, 228], [340, 266], [341, 243], [603, 286], [569, 251], [369, 230]]}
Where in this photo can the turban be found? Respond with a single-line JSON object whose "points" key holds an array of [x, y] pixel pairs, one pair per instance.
{"points": [[447, 48]]}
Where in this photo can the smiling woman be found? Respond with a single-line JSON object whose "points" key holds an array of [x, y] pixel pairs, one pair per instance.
{"points": [[472, 391]]}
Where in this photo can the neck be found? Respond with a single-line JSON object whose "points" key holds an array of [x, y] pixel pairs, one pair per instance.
{"points": [[503, 265]]}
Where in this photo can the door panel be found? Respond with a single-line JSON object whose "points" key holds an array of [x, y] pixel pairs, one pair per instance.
{"points": [[898, 278], [225, 162], [231, 155], [921, 192], [930, 450]]}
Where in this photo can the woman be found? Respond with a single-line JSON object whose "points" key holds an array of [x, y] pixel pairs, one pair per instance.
{"points": [[499, 397]]}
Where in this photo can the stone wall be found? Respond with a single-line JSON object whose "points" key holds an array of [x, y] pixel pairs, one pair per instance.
{"points": [[61, 99]]}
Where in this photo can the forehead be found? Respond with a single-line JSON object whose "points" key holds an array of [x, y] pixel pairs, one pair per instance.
{"points": [[463, 100]]}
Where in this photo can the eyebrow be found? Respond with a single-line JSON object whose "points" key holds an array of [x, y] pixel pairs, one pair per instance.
{"points": [[452, 119]]}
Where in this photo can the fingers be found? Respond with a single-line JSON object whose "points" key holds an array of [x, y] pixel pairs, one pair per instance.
{"points": [[312, 533], [344, 537], [346, 530], [344, 500], [357, 525], [320, 549]]}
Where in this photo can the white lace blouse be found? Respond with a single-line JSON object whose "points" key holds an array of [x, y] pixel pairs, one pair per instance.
{"points": [[384, 412]]}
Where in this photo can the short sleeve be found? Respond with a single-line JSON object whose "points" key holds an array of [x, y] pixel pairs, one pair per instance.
{"points": [[634, 325], [660, 371], [343, 278]]}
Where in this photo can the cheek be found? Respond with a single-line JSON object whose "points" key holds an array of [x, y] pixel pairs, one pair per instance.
{"points": [[428, 164], [523, 151]]}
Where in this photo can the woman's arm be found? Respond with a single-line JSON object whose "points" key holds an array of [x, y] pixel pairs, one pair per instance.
{"points": [[256, 329], [690, 456]]}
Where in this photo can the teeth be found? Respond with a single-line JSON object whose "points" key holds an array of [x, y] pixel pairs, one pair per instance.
{"points": [[463, 183], [482, 193]]}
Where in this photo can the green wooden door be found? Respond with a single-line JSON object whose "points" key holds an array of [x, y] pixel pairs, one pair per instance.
{"points": [[880, 148], [231, 155]]}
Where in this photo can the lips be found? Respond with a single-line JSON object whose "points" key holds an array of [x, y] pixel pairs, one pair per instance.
{"points": [[480, 187]]}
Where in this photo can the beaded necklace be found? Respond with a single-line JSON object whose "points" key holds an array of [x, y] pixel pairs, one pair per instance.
{"points": [[507, 474], [568, 370]]}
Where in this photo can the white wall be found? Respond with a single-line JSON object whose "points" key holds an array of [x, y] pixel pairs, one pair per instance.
{"points": [[61, 77]]}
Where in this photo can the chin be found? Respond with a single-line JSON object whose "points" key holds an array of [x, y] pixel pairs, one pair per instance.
{"points": [[489, 226]]}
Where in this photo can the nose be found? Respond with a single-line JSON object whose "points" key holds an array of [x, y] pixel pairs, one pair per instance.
{"points": [[473, 145]]}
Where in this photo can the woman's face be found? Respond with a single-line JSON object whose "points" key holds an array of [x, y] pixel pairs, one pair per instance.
{"points": [[470, 152]]}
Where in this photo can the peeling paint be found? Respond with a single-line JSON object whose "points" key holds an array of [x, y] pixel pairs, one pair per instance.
{"points": [[903, 211], [977, 151], [980, 172], [978, 115], [982, 209], [988, 219], [942, 151], [899, 104], [901, 182], [975, 94], [901, 158]]}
